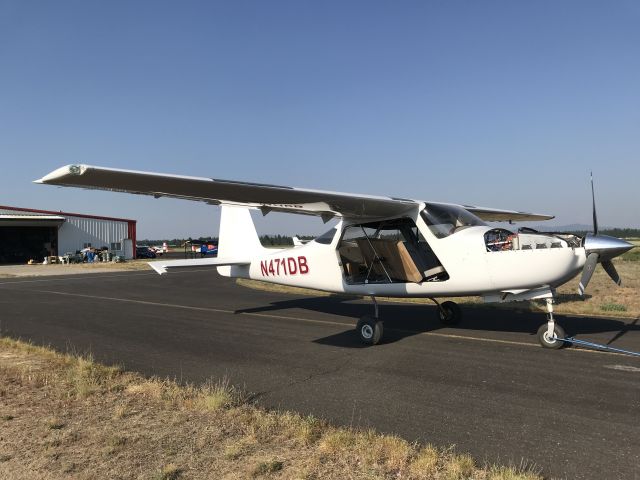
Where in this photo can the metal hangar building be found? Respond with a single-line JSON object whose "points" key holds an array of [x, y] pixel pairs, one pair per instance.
{"points": [[26, 234]]}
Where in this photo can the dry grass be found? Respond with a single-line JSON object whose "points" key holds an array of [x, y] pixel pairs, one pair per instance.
{"points": [[63, 415], [603, 297], [13, 271]]}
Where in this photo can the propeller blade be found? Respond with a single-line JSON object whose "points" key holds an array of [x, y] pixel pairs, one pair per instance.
{"points": [[587, 272], [593, 201], [611, 271]]}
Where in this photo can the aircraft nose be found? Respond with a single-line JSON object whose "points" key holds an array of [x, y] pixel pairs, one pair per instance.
{"points": [[605, 246]]}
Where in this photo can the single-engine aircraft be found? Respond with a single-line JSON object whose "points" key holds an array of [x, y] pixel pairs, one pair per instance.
{"points": [[380, 246]]}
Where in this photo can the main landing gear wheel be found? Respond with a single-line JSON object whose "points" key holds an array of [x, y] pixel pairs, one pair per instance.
{"points": [[370, 330], [545, 339], [449, 313]]}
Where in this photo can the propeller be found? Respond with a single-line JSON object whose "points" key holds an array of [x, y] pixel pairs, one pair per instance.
{"points": [[611, 271], [600, 249], [587, 272]]}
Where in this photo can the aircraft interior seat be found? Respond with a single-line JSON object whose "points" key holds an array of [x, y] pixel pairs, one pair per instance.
{"points": [[351, 253], [390, 258], [425, 260]]}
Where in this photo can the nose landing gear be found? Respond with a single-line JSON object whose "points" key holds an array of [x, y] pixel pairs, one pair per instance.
{"points": [[551, 335]]}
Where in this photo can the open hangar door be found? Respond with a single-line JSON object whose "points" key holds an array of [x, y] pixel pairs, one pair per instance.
{"points": [[22, 239]]}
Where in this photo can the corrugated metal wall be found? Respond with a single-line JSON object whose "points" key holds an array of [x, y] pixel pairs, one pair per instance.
{"points": [[75, 232]]}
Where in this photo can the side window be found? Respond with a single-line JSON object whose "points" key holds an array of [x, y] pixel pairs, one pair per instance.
{"points": [[327, 237], [391, 251]]}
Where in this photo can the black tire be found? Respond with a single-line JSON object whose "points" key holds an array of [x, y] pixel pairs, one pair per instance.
{"points": [[449, 313], [369, 330], [555, 343]]}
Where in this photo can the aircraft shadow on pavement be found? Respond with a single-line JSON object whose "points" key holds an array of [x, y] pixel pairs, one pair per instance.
{"points": [[406, 320]]}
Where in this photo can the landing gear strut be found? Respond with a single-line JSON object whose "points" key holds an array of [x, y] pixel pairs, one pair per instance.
{"points": [[370, 328], [550, 335]]}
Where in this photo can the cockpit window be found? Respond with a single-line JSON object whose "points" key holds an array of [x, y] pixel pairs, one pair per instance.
{"points": [[444, 220]]}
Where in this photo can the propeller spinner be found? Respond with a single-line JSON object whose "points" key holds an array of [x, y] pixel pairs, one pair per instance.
{"points": [[600, 249]]}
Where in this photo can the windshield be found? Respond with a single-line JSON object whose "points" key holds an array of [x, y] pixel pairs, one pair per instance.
{"points": [[444, 220]]}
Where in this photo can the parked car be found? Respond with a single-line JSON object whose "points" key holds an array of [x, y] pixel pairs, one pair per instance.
{"points": [[145, 252]]}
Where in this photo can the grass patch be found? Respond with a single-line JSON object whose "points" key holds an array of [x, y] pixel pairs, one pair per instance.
{"points": [[120, 412], [222, 394], [210, 428], [268, 467], [632, 255], [55, 424], [613, 307], [169, 472]]}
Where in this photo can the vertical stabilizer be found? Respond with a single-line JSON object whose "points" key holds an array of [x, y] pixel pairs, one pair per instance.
{"points": [[238, 236]]}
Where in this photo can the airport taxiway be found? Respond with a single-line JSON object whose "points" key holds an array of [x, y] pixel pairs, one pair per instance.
{"points": [[485, 386]]}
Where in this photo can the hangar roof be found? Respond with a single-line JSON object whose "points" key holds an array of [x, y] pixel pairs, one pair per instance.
{"points": [[33, 212], [30, 220]]}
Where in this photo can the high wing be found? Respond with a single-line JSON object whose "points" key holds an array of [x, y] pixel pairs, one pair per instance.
{"points": [[497, 215], [263, 196]]}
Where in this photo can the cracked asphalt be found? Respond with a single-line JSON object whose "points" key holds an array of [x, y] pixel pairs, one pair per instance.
{"points": [[485, 387]]}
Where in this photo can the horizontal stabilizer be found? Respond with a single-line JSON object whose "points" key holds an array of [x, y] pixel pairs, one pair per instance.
{"points": [[161, 267]]}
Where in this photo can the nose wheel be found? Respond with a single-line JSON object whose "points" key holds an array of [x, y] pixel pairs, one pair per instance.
{"points": [[551, 340], [551, 335]]}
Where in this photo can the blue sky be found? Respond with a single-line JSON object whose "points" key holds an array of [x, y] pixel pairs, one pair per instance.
{"points": [[499, 103]]}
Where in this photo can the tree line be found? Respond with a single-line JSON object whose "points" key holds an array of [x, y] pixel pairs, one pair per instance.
{"points": [[616, 232], [266, 240]]}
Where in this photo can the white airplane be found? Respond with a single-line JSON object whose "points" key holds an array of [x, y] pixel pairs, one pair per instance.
{"points": [[380, 247], [160, 249]]}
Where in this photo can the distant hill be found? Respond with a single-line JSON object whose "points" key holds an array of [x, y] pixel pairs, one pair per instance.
{"points": [[574, 227]]}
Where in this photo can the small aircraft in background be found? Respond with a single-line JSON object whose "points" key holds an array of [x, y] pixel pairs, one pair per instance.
{"points": [[297, 242], [160, 249], [381, 246], [208, 249]]}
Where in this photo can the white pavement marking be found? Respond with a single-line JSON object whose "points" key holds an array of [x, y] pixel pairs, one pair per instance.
{"points": [[307, 320], [623, 368], [123, 273]]}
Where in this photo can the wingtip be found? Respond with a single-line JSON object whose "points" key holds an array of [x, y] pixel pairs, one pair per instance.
{"points": [[62, 172]]}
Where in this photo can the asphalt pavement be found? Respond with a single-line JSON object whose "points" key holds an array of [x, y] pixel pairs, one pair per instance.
{"points": [[484, 386]]}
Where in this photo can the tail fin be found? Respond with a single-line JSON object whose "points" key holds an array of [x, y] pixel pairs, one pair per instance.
{"points": [[238, 236]]}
